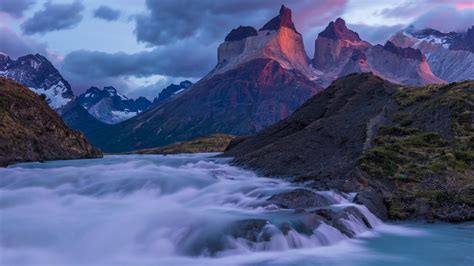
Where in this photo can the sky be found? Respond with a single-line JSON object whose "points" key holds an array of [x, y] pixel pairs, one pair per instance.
{"points": [[141, 46]]}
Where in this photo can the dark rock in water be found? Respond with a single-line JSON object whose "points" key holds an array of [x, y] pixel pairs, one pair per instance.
{"points": [[345, 215], [374, 203], [248, 229], [299, 199], [31, 131]]}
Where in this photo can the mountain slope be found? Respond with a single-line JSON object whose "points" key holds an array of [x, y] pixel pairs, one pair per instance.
{"points": [[340, 51], [172, 89], [248, 90], [367, 134], [32, 131], [40, 76], [450, 55]]}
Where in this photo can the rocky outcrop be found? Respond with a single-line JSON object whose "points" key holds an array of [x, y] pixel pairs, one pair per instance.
{"points": [[31, 131], [210, 143], [340, 51], [333, 123], [282, 20], [299, 199], [277, 40], [240, 33], [410, 147]]}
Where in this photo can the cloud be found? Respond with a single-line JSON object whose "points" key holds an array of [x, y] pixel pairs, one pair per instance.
{"points": [[107, 13], [54, 17], [15, 8], [446, 19], [167, 21], [376, 34], [16, 46], [183, 59]]}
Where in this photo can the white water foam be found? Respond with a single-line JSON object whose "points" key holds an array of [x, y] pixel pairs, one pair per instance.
{"points": [[148, 210]]}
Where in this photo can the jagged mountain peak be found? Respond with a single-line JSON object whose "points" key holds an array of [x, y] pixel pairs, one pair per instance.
{"points": [[241, 33], [38, 74], [282, 20], [406, 52], [109, 106], [338, 30]]}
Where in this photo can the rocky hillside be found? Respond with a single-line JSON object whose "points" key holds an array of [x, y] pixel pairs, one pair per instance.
{"points": [[31, 131], [210, 143], [410, 147]]}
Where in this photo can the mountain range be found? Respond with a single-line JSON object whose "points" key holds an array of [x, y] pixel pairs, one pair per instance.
{"points": [[260, 78]]}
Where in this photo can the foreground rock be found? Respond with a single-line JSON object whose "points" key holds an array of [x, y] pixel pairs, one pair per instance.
{"points": [[210, 143], [412, 147], [31, 131]]}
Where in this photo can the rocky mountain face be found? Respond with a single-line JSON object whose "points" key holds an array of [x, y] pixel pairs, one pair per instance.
{"points": [[40, 76], [259, 80], [410, 148], [111, 107], [340, 51], [277, 40], [449, 55], [31, 131], [173, 89]]}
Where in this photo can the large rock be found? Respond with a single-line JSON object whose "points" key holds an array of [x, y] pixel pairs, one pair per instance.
{"points": [[31, 131], [299, 199]]}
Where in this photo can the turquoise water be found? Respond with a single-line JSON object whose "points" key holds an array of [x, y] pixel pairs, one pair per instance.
{"points": [[167, 210]]}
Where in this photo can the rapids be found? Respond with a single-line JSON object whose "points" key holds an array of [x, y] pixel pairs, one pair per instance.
{"points": [[180, 210]]}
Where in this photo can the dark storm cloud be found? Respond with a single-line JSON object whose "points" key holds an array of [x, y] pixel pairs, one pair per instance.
{"points": [[54, 17], [15, 8], [183, 59], [170, 20], [107, 13], [15, 45]]}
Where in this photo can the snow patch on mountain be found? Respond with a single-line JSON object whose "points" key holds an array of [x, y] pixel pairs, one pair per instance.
{"points": [[111, 107], [38, 74]]}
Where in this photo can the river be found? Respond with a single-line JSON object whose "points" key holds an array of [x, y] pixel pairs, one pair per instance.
{"points": [[181, 209]]}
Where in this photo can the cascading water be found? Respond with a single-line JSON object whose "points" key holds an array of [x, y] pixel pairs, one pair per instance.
{"points": [[170, 210]]}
